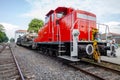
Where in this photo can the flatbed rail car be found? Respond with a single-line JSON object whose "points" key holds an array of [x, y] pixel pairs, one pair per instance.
{"points": [[72, 33]]}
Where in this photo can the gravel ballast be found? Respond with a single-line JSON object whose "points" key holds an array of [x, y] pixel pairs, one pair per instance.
{"points": [[45, 68]]}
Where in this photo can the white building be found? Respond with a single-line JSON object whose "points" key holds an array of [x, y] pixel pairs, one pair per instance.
{"points": [[19, 33]]}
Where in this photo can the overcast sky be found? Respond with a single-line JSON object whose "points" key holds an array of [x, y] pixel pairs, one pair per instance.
{"points": [[16, 14]]}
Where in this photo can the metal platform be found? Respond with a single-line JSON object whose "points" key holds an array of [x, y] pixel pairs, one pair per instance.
{"points": [[69, 58], [115, 60]]}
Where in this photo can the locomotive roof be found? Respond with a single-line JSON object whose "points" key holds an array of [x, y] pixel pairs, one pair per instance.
{"points": [[59, 9], [67, 10], [50, 12], [64, 9]]}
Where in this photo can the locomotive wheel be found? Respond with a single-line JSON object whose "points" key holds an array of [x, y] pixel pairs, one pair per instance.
{"points": [[39, 49], [43, 51], [50, 52], [56, 53], [46, 52]]}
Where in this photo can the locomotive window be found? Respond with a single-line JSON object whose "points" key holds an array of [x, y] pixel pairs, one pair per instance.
{"points": [[47, 19], [60, 15]]}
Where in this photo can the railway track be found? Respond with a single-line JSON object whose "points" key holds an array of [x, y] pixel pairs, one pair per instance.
{"points": [[2, 47], [98, 71], [9, 67], [112, 65]]}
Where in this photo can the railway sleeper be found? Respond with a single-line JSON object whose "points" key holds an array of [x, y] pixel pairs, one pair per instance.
{"points": [[9, 64], [10, 74], [6, 62], [7, 68], [8, 71], [114, 77], [88, 68], [16, 77], [4, 57]]}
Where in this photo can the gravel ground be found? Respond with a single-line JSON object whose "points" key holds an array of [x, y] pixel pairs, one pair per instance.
{"points": [[46, 68], [1, 47]]}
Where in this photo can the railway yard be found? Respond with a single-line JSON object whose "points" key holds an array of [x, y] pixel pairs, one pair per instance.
{"points": [[69, 43], [34, 65]]}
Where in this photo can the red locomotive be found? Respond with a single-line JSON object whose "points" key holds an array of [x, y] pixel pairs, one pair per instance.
{"points": [[70, 34], [60, 23]]}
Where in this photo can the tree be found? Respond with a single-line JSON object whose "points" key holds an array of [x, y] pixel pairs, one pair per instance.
{"points": [[1, 28], [35, 25], [3, 37]]}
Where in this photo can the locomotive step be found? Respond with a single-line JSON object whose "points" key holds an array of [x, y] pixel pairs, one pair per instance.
{"points": [[69, 58], [61, 46], [61, 51]]}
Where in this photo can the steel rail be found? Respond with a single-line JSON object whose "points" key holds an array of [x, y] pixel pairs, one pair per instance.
{"points": [[16, 62], [110, 62], [71, 65], [92, 74], [117, 71]]}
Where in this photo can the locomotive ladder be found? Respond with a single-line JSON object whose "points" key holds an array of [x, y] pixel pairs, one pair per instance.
{"points": [[61, 45]]}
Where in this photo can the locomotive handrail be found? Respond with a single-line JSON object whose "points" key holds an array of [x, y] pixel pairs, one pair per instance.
{"points": [[74, 24], [59, 39], [107, 28]]}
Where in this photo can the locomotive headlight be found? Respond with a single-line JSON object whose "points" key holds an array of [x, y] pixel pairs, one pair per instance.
{"points": [[89, 49]]}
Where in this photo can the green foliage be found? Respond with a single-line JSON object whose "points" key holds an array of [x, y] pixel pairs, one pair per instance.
{"points": [[35, 25], [3, 37], [1, 28]]}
